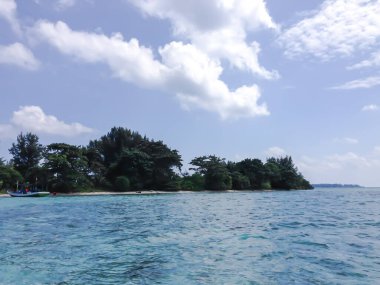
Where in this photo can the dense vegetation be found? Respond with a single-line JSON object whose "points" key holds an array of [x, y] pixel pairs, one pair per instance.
{"points": [[123, 160]]}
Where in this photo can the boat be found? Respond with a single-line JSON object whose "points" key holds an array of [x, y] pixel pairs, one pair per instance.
{"points": [[28, 190], [28, 193]]}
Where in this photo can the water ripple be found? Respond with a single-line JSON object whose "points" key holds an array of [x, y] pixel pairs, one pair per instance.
{"points": [[299, 237]]}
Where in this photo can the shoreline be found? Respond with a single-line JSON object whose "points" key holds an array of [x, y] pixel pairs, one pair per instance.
{"points": [[106, 193], [142, 192]]}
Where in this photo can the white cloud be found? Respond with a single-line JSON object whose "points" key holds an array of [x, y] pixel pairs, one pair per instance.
{"points": [[184, 70], [373, 61], [19, 55], [376, 150], [346, 140], [368, 82], [217, 27], [33, 119], [371, 107], [343, 168], [64, 4], [349, 158], [338, 28], [275, 151], [195, 79], [8, 11]]}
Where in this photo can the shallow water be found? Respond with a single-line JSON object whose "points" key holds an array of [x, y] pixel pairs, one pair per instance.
{"points": [[324, 236]]}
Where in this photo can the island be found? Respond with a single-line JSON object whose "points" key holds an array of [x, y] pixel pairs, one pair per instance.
{"points": [[123, 160], [336, 185]]}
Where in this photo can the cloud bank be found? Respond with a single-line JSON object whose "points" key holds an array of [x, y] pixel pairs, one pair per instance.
{"points": [[184, 70], [343, 168], [218, 28], [338, 28]]}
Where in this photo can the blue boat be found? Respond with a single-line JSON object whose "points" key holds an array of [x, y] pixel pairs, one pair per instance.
{"points": [[28, 190], [21, 193]]}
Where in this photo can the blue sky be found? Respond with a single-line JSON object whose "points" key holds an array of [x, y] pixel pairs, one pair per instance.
{"points": [[235, 78]]}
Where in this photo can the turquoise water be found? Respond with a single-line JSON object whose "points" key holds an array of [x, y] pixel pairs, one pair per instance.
{"points": [[299, 237]]}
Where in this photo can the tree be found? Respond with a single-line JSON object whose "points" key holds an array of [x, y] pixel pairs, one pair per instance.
{"points": [[195, 181], [273, 174], [97, 169], [214, 169], [148, 164], [122, 183], [112, 145], [283, 174], [134, 164], [9, 177], [27, 153], [164, 160], [253, 169], [240, 181], [67, 167]]}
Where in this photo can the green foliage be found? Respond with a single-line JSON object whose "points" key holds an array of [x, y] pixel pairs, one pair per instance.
{"points": [[240, 181], [134, 164], [67, 167], [276, 173], [9, 177], [215, 171], [122, 183], [193, 182], [38, 176], [266, 185], [282, 173], [97, 169], [124, 160], [148, 164], [27, 153], [254, 170]]}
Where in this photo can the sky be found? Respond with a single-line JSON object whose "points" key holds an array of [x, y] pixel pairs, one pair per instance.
{"points": [[234, 78]]}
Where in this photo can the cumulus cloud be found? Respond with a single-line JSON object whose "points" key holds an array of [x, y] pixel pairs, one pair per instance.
{"points": [[275, 151], [368, 82], [345, 168], [346, 140], [371, 107], [217, 27], [8, 11], [184, 70], [33, 119], [19, 55], [338, 28]]}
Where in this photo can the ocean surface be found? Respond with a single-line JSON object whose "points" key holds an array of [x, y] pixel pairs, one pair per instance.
{"points": [[324, 236]]}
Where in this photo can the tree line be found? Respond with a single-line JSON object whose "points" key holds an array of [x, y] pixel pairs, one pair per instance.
{"points": [[123, 160]]}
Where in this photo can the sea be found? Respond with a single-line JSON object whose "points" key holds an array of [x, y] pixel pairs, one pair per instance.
{"points": [[321, 236]]}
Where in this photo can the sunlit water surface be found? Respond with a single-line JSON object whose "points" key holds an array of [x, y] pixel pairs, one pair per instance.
{"points": [[325, 236]]}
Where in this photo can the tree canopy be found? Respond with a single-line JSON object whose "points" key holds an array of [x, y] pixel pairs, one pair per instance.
{"points": [[27, 153], [124, 160], [249, 174]]}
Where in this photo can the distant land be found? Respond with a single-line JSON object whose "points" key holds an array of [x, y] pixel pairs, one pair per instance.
{"points": [[326, 185]]}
